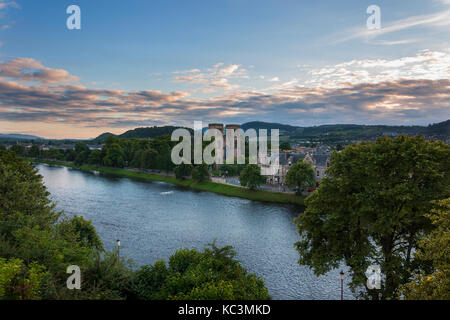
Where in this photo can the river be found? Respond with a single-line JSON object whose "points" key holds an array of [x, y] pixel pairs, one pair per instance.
{"points": [[154, 219]]}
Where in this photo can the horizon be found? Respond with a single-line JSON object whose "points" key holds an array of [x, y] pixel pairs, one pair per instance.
{"points": [[204, 127], [293, 63]]}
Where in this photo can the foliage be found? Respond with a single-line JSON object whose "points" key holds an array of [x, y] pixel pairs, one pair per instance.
{"points": [[251, 177], [200, 173], [211, 274], [114, 156], [371, 210], [83, 230], [40, 240], [18, 149], [183, 171], [285, 146], [18, 281], [300, 176], [434, 248]]}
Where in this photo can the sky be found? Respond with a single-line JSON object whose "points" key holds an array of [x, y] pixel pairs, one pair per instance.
{"points": [[142, 63]]}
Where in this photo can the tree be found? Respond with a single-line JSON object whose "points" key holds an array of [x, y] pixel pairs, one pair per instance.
{"points": [[251, 177], [148, 159], [34, 151], [37, 243], [81, 147], [81, 158], [95, 157], [18, 281], [114, 156], [183, 171], [300, 176], [18, 149], [200, 173], [193, 275], [434, 248], [285, 146], [83, 230], [371, 208]]}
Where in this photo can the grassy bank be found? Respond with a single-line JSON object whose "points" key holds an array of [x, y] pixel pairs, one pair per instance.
{"points": [[224, 189]]}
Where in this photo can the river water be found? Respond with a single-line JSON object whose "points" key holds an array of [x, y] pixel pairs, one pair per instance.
{"points": [[154, 219]]}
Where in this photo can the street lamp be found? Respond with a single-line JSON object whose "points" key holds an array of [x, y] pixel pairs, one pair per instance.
{"points": [[342, 284], [118, 251]]}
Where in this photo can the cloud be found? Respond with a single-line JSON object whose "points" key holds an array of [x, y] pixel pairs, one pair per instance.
{"points": [[5, 4], [274, 79], [26, 69], [438, 19], [186, 71], [216, 77], [406, 90], [432, 65]]}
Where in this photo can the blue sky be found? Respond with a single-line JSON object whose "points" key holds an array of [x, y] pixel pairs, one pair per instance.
{"points": [[140, 63]]}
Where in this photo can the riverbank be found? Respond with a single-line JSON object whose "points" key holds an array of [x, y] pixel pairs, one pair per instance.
{"points": [[219, 188]]}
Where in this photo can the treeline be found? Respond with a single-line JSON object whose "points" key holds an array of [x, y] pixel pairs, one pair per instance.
{"points": [[152, 154], [116, 152], [38, 243]]}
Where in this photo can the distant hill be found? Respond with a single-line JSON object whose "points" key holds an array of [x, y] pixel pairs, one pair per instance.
{"points": [[101, 138], [141, 133], [343, 132], [18, 136], [325, 133]]}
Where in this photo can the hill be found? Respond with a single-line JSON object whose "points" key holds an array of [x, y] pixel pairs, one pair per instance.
{"points": [[140, 133], [335, 133], [18, 136], [349, 132]]}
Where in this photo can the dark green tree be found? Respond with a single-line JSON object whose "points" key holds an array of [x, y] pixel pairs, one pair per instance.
{"points": [[251, 177], [213, 274], [300, 176], [82, 157], [18, 149], [200, 172], [114, 156], [371, 209], [34, 151], [95, 157], [285, 146], [81, 147], [183, 171]]}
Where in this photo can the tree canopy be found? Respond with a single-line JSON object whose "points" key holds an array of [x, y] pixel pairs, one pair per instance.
{"points": [[251, 177], [371, 209], [213, 274], [300, 176], [433, 248]]}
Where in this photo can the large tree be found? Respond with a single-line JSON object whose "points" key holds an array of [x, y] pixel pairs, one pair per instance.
{"points": [[213, 274], [300, 176], [200, 172], [371, 209], [251, 177], [434, 248]]}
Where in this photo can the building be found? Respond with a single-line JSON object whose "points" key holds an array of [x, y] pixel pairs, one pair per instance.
{"points": [[320, 163]]}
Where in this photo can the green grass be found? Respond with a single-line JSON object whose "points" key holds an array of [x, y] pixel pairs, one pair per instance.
{"points": [[224, 189]]}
